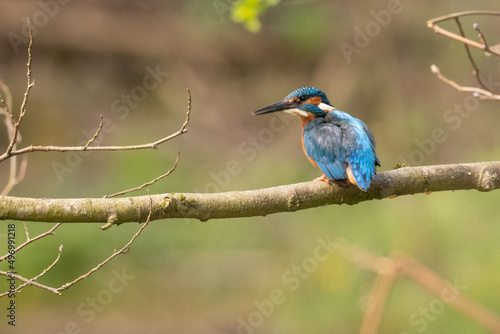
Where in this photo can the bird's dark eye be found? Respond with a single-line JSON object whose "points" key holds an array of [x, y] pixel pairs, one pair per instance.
{"points": [[303, 98]]}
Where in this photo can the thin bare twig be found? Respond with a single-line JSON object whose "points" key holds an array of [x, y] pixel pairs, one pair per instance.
{"points": [[188, 113], [30, 84], [147, 183], [433, 25], [398, 264], [23, 279], [57, 291], [374, 311], [478, 92], [59, 252], [6, 104], [12, 150], [26, 230], [18, 289], [30, 240], [15, 175], [480, 35], [123, 250], [484, 92], [475, 70], [12, 126], [181, 130], [438, 286], [152, 145], [28, 282], [96, 134]]}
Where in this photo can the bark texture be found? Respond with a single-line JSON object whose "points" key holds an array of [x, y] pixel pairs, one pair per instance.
{"points": [[482, 176]]}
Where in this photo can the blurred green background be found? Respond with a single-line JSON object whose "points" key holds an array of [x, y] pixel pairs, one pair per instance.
{"points": [[185, 276]]}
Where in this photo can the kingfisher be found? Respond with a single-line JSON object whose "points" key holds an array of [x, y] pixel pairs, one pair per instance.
{"points": [[340, 145]]}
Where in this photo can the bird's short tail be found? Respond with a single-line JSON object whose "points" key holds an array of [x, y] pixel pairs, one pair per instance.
{"points": [[350, 177]]}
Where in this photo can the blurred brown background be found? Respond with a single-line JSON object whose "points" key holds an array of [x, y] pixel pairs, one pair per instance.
{"points": [[93, 58]]}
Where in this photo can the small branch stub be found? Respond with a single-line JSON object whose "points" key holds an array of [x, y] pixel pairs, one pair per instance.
{"points": [[112, 219]]}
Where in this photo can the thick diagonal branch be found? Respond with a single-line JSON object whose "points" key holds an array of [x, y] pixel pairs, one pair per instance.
{"points": [[482, 176]]}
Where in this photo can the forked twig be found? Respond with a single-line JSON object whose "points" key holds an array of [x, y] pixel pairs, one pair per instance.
{"points": [[180, 131], [477, 92], [397, 265], [12, 150], [26, 282], [16, 175], [57, 291], [30, 240], [484, 92], [433, 25], [469, 55], [32, 281], [123, 250], [152, 145]]}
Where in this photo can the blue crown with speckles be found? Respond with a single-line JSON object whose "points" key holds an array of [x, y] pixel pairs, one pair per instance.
{"points": [[307, 92]]}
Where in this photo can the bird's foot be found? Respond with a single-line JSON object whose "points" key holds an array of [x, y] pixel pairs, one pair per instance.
{"points": [[322, 178]]}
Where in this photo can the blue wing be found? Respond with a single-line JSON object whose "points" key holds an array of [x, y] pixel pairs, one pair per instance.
{"points": [[361, 155], [323, 144], [359, 143], [338, 141]]}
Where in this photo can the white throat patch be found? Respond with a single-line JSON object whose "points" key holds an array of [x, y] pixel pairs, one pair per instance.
{"points": [[297, 112], [325, 107]]}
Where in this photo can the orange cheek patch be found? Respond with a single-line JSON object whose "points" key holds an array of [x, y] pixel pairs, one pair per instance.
{"points": [[314, 100]]}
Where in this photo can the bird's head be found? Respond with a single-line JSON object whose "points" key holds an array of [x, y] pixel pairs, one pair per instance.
{"points": [[305, 102]]}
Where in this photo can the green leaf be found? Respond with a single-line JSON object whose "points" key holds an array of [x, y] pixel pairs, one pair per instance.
{"points": [[247, 12]]}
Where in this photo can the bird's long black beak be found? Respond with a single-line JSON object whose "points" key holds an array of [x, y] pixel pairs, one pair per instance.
{"points": [[278, 106]]}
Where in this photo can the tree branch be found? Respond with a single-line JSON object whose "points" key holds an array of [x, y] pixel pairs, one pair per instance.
{"points": [[388, 268], [123, 250], [483, 176], [151, 145], [485, 92], [477, 92], [28, 282], [483, 46]]}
